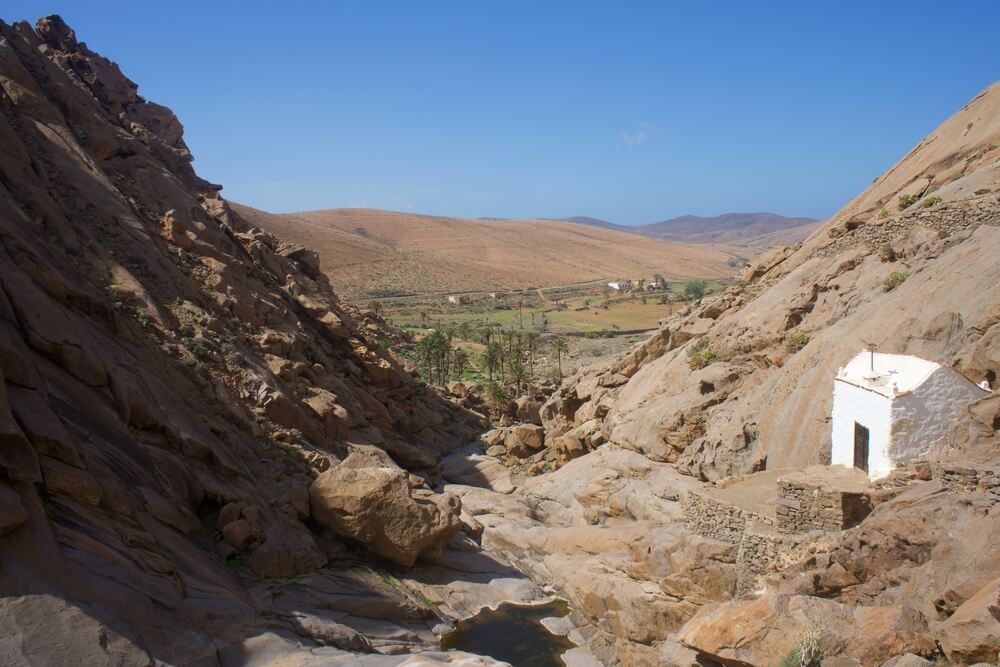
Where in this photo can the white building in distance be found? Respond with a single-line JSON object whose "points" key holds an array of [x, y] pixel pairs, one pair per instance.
{"points": [[890, 408]]}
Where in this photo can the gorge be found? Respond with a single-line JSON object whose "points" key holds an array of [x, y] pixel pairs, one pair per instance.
{"points": [[208, 458]]}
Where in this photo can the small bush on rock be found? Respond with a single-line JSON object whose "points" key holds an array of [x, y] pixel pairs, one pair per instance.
{"points": [[894, 280], [701, 358], [906, 201], [930, 201], [796, 342]]}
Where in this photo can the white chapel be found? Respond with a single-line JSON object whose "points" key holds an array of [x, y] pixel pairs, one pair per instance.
{"points": [[894, 408]]}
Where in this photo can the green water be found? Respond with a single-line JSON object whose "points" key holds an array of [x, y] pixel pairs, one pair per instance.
{"points": [[512, 633]]}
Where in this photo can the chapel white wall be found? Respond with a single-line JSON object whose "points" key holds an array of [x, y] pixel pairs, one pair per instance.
{"points": [[853, 404], [924, 419]]}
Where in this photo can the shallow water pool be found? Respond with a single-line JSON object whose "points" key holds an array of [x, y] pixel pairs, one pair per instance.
{"points": [[512, 633]]}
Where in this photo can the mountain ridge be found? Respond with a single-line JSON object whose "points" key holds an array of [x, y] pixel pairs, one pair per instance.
{"points": [[369, 251]]}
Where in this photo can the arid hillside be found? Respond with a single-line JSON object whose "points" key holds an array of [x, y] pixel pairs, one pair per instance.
{"points": [[828, 297], [367, 252], [742, 383], [175, 385], [752, 230]]}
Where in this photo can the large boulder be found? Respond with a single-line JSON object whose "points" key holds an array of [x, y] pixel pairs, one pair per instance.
{"points": [[765, 630], [972, 633], [375, 506], [523, 440], [529, 410]]}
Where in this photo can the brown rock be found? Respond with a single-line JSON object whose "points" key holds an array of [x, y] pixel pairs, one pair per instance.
{"points": [[238, 534], [43, 427], [763, 631], [375, 507], [12, 512], [334, 417], [528, 410], [524, 439], [298, 496], [17, 458], [230, 512], [65, 480], [972, 633]]}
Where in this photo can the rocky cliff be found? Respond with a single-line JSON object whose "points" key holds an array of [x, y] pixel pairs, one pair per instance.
{"points": [[174, 382], [739, 387], [744, 380]]}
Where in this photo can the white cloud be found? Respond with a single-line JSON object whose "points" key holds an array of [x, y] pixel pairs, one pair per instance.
{"points": [[645, 133]]}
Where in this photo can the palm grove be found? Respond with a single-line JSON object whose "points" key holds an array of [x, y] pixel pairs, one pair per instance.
{"points": [[508, 359]]}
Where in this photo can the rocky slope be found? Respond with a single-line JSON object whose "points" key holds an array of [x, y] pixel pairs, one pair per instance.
{"points": [[207, 459], [743, 382], [777, 338], [178, 389]]}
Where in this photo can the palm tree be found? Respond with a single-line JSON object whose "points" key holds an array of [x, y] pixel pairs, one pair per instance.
{"points": [[491, 359], [425, 355], [459, 360], [560, 347], [464, 330], [532, 338], [433, 350], [376, 307], [518, 374], [497, 399]]}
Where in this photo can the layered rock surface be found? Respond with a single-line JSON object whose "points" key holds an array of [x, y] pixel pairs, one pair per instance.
{"points": [[174, 380], [193, 426], [742, 382]]}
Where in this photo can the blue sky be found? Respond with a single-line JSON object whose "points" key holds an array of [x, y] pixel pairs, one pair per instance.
{"points": [[632, 112]]}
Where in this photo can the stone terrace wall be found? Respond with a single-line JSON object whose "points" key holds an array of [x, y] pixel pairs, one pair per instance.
{"points": [[718, 520], [802, 507], [764, 550], [947, 218]]}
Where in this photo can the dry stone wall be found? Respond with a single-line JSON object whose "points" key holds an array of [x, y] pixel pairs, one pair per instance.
{"points": [[718, 520], [962, 478], [764, 550], [803, 507], [947, 218]]}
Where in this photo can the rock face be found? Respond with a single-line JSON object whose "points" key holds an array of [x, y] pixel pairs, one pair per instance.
{"points": [[742, 382], [777, 337], [376, 507], [763, 631], [172, 380]]}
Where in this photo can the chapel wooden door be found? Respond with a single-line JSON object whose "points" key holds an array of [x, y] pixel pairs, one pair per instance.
{"points": [[860, 447]]}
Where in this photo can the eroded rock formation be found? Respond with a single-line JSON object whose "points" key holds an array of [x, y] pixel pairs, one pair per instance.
{"points": [[173, 382]]}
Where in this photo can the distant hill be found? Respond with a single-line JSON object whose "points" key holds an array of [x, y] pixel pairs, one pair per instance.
{"points": [[760, 230], [753, 231], [596, 222], [366, 252]]}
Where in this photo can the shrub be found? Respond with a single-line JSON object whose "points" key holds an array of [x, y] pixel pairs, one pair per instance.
{"points": [[791, 659], [906, 201], [701, 358], [894, 280], [796, 342], [811, 647], [883, 214], [695, 288], [930, 201]]}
